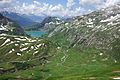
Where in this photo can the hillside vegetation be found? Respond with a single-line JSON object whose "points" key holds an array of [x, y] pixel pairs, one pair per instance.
{"points": [[85, 47]]}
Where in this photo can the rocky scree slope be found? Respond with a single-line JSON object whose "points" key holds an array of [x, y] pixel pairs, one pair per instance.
{"points": [[100, 29]]}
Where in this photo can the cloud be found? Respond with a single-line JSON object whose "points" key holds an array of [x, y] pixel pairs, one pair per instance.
{"points": [[111, 2], [5, 4], [5, 1], [97, 4], [70, 3], [36, 2], [41, 9], [89, 2]]}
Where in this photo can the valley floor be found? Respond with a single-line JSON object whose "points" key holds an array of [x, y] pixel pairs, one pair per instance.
{"points": [[70, 64]]}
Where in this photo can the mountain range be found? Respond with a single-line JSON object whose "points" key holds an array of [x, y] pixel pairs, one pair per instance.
{"points": [[10, 27], [23, 20], [78, 48], [43, 26], [100, 29]]}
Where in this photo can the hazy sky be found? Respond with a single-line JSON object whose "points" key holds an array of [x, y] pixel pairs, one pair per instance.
{"points": [[54, 7]]}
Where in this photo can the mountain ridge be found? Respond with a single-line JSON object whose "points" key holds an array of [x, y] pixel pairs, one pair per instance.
{"points": [[10, 27], [82, 47], [22, 20], [98, 29]]}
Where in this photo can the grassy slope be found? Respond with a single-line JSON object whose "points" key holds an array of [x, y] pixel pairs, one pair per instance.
{"points": [[80, 62], [77, 66], [80, 65], [67, 63], [84, 62], [29, 59]]}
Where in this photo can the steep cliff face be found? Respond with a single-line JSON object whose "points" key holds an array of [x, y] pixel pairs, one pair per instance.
{"points": [[10, 27]]}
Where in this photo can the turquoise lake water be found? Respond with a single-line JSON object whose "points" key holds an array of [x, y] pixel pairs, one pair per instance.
{"points": [[35, 33]]}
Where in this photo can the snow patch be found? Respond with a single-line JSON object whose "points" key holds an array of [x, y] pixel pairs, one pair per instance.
{"points": [[18, 54], [23, 49], [101, 54], [8, 40], [10, 51], [117, 78], [13, 49], [16, 44], [35, 52], [20, 39], [39, 45], [58, 47]]}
